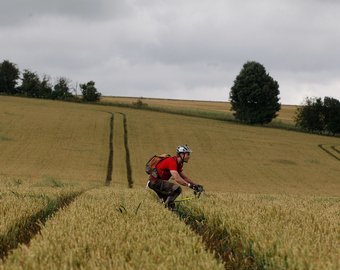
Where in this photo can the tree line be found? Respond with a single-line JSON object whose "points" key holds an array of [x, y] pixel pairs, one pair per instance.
{"points": [[34, 86], [320, 116], [254, 98]]}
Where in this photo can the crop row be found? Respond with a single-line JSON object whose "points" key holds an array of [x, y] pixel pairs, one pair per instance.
{"points": [[113, 228], [269, 231], [22, 210]]}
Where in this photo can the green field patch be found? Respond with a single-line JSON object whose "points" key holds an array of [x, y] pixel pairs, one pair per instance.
{"points": [[17, 182], [9, 113], [284, 161], [267, 197], [5, 138], [312, 161], [49, 181]]}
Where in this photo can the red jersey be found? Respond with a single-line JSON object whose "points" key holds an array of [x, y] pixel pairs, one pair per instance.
{"points": [[166, 165]]}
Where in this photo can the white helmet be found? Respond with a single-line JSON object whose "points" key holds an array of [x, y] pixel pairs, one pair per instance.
{"points": [[183, 149]]}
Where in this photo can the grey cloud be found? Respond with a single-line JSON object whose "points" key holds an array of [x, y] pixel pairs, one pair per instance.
{"points": [[14, 12], [176, 48], [294, 39]]}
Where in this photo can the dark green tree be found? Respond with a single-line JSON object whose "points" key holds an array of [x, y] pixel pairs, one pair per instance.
{"points": [[254, 95], [46, 87], [30, 85], [311, 115], [9, 74], [89, 91], [332, 115], [62, 89]]}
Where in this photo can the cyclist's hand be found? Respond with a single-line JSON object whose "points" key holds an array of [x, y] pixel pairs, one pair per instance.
{"points": [[199, 188], [192, 186]]}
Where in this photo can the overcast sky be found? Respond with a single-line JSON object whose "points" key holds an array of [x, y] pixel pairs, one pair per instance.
{"points": [[176, 49]]}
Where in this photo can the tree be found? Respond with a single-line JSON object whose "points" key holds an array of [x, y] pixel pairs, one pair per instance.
{"points": [[9, 74], [332, 115], [46, 87], [254, 95], [62, 89], [310, 116], [30, 85], [89, 91]]}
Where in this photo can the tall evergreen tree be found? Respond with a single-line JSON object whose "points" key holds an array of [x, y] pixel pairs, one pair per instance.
{"points": [[254, 95]]}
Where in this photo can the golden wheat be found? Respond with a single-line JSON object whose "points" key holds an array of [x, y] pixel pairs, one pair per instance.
{"points": [[286, 113], [65, 141], [284, 232], [233, 157], [114, 229], [50, 149]]}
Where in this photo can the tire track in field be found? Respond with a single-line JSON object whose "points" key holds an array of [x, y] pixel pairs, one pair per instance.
{"points": [[127, 151], [226, 245], [23, 231], [334, 155], [335, 149], [110, 160]]}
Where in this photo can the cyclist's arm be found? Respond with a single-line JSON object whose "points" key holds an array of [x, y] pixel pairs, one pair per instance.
{"points": [[186, 178], [178, 178]]}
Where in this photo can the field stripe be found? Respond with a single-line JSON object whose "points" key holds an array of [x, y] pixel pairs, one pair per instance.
{"points": [[322, 146], [25, 230], [334, 147], [126, 144], [110, 160], [263, 231], [218, 240]]}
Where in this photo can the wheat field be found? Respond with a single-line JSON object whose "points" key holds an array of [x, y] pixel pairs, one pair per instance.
{"points": [[277, 231], [272, 197], [235, 158], [51, 139], [114, 228], [286, 114]]}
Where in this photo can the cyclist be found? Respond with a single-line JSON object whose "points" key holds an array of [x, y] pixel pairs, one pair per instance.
{"points": [[172, 167]]}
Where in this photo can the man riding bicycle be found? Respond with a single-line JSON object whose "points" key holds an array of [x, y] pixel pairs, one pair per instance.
{"points": [[172, 167]]}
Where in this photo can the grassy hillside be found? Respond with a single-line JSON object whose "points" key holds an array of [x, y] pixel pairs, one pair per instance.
{"points": [[271, 201], [285, 115], [233, 157], [45, 139]]}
